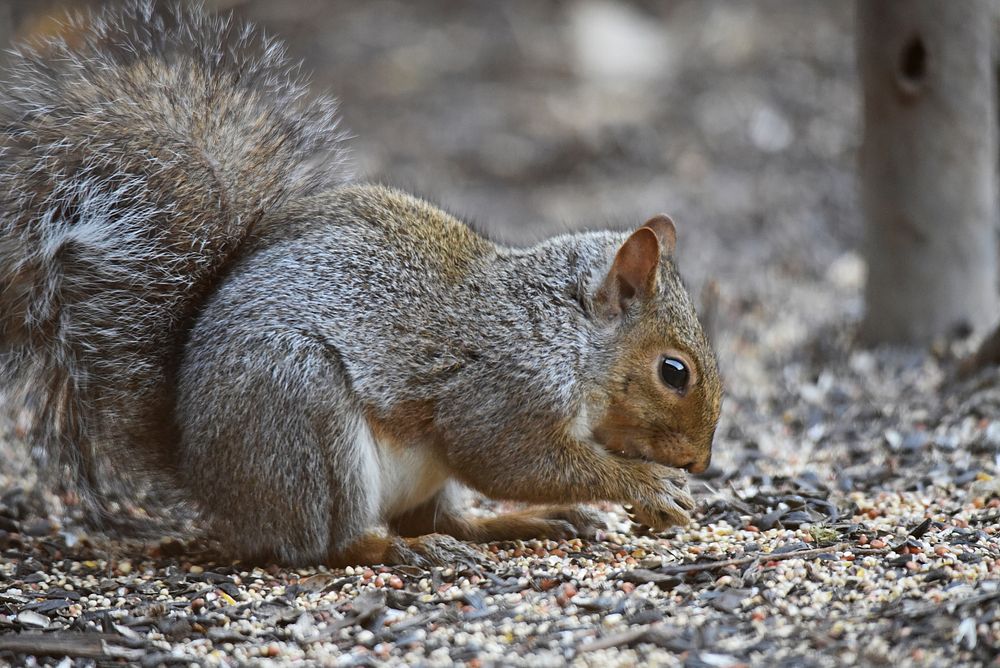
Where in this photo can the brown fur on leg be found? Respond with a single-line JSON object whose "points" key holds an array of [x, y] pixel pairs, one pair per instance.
{"points": [[551, 522], [554, 523]]}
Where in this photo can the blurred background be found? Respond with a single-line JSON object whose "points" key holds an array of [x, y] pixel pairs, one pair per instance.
{"points": [[531, 117]]}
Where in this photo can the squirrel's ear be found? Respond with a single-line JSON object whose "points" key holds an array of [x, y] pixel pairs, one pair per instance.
{"points": [[665, 231], [632, 275]]}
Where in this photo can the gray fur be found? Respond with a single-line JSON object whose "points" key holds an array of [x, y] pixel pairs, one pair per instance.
{"points": [[346, 314], [191, 292]]}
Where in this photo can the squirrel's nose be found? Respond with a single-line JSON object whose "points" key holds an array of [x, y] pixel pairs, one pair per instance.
{"points": [[699, 467]]}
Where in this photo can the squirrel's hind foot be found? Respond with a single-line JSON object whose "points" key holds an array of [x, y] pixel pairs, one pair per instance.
{"points": [[426, 551]]}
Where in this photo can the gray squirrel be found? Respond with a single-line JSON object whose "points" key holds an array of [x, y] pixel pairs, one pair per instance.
{"points": [[194, 293]]}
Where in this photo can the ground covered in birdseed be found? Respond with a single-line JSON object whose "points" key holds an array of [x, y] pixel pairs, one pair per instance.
{"points": [[851, 515]]}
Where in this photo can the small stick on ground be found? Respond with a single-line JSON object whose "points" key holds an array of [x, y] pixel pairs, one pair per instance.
{"points": [[81, 645], [683, 569]]}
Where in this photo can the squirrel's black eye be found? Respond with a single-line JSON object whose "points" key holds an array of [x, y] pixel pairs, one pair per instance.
{"points": [[674, 373]]}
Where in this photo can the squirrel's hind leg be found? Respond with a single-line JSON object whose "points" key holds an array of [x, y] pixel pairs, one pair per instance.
{"points": [[433, 549], [271, 447]]}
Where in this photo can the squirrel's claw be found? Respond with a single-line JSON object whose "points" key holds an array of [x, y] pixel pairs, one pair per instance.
{"points": [[658, 519], [671, 507]]}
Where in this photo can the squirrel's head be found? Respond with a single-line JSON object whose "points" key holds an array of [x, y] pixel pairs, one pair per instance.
{"points": [[662, 393]]}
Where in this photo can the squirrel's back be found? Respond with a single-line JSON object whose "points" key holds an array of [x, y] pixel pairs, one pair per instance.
{"points": [[136, 158]]}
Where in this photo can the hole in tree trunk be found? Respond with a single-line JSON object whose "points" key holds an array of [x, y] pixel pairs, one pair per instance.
{"points": [[912, 66]]}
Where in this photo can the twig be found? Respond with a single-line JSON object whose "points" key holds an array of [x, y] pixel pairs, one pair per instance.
{"points": [[616, 639], [768, 556], [921, 610], [83, 645]]}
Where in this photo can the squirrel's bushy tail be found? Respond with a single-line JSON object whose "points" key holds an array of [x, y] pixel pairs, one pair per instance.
{"points": [[137, 154]]}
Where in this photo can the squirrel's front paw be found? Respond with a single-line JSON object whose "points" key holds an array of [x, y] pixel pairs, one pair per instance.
{"points": [[437, 549], [670, 506]]}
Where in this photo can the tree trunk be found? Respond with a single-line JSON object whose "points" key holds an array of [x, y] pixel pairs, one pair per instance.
{"points": [[928, 167]]}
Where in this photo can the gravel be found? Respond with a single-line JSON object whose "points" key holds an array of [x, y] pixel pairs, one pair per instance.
{"points": [[852, 511]]}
